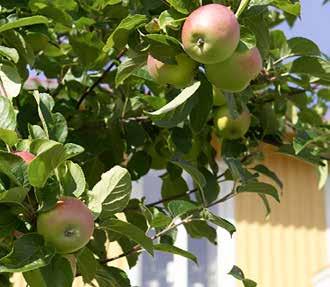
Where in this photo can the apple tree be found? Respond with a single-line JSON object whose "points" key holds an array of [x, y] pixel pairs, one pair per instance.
{"points": [[94, 94]]}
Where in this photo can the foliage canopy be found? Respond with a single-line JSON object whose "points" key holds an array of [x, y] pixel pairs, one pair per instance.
{"points": [[97, 121]]}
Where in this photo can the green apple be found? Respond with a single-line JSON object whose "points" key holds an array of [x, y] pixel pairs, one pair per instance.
{"points": [[235, 73], [218, 97], [68, 226], [210, 34], [179, 75], [25, 155], [230, 128]]}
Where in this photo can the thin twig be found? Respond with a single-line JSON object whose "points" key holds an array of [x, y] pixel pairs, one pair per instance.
{"points": [[172, 225], [166, 199], [138, 248], [100, 79]]}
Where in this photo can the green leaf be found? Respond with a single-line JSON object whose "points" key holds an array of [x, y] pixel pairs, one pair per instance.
{"points": [[72, 179], [139, 164], [312, 66], [212, 187], [170, 19], [21, 22], [237, 273], [13, 195], [242, 6], [266, 171], [29, 252], [184, 6], [7, 114], [306, 154], [175, 116], [175, 250], [174, 186], [182, 139], [57, 273], [112, 277], [196, 175], [44, 164], [112, 193], [260, 187], [36, 132], [248, 38], [238, 171], [249, 283], [177, 101], [200, 229], [128, 67], [8, 222], [54, 124], [221, 222], [163, 47], [8, 136], [10, 81], [258, 25], [200, 113], [72, 150], [182, 207], [288, 6], [160, 220], [9, 53], [86, 264], [14, 167], [34, 278], [88, 47], [129, 230], [119, 37], [301, 46]]}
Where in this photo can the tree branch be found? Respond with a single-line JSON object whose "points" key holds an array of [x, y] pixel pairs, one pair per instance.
{"points": [[172, 225], [100, 79], [167, 199]]}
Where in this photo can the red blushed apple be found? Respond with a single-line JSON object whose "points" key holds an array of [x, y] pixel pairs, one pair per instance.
{"points": [[25, 155], [68, 226], [179, 75], [235, 73], [210, 34]]}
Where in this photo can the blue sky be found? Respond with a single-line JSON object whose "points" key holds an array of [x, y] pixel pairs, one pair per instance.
{"points": [[314, 24]]}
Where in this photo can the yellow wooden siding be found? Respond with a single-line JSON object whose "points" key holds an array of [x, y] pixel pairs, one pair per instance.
{"points": [[289, 248]]}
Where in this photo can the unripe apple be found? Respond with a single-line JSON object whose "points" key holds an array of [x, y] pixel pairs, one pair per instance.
{"points": [[210, 34], [179, 75], [218, 97], [25, 155], [230, 128], [235, 73], [68, 226]]}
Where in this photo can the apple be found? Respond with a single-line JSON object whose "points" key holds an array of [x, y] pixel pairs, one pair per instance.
{"points": [[68, 226], [235, 73], [210, 34], [218, 97], [230, 128], [179, 75], [25, 155]]}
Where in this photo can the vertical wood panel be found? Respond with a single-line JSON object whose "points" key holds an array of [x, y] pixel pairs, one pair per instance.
{"points": [[289, 248]]}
